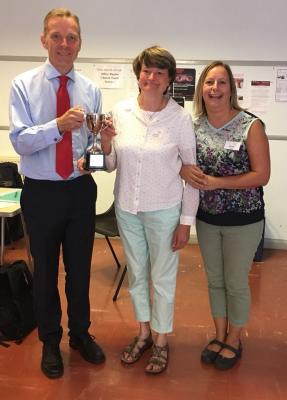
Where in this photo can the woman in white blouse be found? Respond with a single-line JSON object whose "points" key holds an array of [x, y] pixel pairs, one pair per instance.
{"points": [[154, 137]]}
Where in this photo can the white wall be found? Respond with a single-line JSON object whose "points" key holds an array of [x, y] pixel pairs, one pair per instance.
{"points": [[275, 195], [204, 30], [223, 29]]}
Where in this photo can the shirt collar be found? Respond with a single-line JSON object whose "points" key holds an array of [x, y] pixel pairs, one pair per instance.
{"points": [[52, 73], [134, 106]]}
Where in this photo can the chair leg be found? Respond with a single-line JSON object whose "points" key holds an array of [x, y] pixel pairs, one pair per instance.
{"points": [[10, 240], [113, 252], [27, 242], [120, 283]]}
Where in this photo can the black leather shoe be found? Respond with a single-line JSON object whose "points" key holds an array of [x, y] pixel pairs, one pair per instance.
{"points": [[209, 356], [224, 363], [88, 348], [52, 363]]}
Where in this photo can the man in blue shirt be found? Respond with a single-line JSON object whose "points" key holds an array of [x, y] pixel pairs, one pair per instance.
{"points": [[59, 211]]}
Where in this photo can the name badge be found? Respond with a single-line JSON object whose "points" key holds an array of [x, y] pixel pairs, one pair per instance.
{"points": [[232, 145]]}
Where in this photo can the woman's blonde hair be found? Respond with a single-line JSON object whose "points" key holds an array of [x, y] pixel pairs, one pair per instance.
{"points": [[199, 108]]}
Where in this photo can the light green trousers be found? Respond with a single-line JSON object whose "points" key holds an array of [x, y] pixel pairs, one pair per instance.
{"points": [[228, 252], [147, 238]]}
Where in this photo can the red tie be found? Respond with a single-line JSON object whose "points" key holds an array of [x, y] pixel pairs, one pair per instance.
{"points": [[64, 154]]}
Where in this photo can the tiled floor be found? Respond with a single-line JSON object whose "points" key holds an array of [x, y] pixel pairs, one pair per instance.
{"points": [[261, 374]]}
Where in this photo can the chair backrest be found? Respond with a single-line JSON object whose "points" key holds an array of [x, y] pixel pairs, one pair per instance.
{"points": [[109, 212], [106, 223], [9, 175], [10, 178]]}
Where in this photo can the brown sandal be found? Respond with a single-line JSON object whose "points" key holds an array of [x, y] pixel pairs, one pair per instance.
{"points": [[134, 350], [158, 360]]}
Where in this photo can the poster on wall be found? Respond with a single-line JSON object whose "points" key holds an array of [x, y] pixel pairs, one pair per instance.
{"points": [[109, 76], [184, 83], [281, 85], [241, 89], [260, 96], [179, 100]]}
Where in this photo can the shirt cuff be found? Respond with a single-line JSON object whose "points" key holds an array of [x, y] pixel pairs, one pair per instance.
{"points": [[52, 133], [111, 160], [186, 220]]}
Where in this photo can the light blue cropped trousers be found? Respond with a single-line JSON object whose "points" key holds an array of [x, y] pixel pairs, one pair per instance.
{"points": [[147, 239]]}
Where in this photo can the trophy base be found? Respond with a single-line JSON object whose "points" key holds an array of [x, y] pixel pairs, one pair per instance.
{"points": [[95, 162]]}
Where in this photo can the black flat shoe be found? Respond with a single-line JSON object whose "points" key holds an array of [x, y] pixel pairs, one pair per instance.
{"points": [[52, 364], [224, 363], [209, 356]]}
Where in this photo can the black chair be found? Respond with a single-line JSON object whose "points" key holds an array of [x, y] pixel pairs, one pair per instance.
{"points": [[106, 225], [10, 178]]}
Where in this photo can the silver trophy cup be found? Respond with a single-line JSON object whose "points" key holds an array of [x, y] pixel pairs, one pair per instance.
{"points": [[95, 158]]}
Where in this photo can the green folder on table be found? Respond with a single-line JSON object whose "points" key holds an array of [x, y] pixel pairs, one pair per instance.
{"points": [[11, 197]]}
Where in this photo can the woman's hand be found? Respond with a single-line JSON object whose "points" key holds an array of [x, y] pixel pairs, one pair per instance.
{"points": [[107, 135], [81, 166], [195, 177], [180, 237]]}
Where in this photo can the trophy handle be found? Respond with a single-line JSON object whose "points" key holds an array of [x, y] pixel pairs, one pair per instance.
{"points": [[105, 117]]}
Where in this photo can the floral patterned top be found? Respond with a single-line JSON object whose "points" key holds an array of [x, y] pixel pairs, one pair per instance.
{"points": [[222, 152]]}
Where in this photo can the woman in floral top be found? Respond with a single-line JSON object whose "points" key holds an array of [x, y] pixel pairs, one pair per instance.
{"points": [[233, 165]]}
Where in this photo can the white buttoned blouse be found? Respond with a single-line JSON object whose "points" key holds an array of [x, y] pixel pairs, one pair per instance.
{"points": [[148, 152]]}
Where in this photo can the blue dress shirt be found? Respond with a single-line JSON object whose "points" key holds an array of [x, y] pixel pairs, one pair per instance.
{"points": [[34, 132]]}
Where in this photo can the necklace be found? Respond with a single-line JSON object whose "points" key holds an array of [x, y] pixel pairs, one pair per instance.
{"points": [[151, 115], [152, 109]]}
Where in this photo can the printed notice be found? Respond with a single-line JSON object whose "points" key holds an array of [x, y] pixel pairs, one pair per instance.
{"points": [[281, 85], [260, 97], [109, 76], [241, 89]]}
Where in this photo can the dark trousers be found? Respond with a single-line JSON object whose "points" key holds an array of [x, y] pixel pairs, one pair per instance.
{"points": [[61, 213]]}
